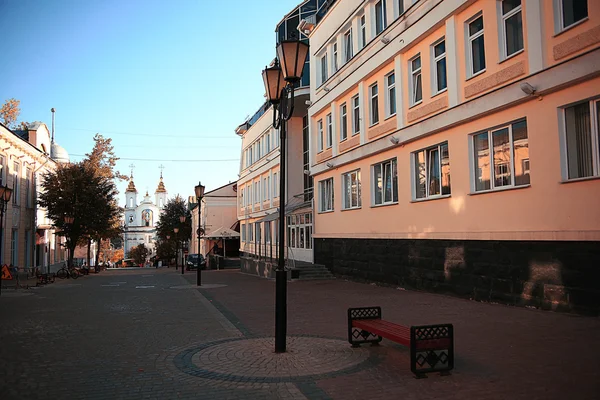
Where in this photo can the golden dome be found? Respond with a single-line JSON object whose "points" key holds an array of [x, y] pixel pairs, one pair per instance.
{"points": [[131, 186], [161, 186]]}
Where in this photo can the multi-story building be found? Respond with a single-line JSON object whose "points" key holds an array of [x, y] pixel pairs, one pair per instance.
{"points": [[258, 185], [28, 237], [455, 146]]}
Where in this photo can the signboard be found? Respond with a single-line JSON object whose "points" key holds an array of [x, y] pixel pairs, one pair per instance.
{"points": [[6, 275]]}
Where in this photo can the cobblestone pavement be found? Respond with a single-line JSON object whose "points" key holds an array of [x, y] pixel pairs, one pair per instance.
{"points": [[150, 334]]}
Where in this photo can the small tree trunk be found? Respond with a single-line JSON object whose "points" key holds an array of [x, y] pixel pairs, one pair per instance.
{"points": [[99, 241], [89, 251]]}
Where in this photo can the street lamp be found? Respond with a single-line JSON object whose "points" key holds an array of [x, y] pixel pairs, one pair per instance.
{"points": [[169, 260], [5, 193], [69, 220], [182, 220], [199, 195], [176, 230], [279, 83]]}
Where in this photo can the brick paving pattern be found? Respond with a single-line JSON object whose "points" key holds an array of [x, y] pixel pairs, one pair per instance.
{"points": [[147, 334]]}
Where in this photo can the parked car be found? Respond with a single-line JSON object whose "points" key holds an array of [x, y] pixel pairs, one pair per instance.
{"points": [[192, 262]]}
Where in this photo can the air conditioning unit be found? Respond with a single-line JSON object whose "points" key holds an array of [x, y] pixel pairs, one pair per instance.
{"points": [[307, 24]]}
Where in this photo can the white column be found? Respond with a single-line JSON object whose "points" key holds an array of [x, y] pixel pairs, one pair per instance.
{"points": [[452, 62], [363, 120], [355, 35], [370, 21], [390, 13], [398, 71], [536, 45]]}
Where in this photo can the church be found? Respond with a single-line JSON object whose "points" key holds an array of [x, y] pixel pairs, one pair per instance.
{"points": [[140, 219]]}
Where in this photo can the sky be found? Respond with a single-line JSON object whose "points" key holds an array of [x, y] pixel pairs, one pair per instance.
{"points": [[168, 81]]}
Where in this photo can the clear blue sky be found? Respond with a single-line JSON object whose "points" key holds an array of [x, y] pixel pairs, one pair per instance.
{"points": [[189, 71]]}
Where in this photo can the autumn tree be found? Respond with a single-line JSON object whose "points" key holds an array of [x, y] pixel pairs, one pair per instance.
{"points": [[117, 256], [139, 254], [103, 160], [170, 219], [9, 112]]}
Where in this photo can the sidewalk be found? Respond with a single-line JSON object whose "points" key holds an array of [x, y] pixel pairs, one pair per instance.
{"points": [[502, 352]]}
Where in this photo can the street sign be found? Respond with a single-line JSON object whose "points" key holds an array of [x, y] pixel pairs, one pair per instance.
{"points": [[6, 275]]}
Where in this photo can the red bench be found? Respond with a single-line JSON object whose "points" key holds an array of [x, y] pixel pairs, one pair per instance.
{"points": [[431, 346]]}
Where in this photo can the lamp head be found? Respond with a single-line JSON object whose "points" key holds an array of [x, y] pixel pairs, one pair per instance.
{"points": [[527, 88], [292, 56], [182, 219], [6, 193], [274, 83], [199, 189]]}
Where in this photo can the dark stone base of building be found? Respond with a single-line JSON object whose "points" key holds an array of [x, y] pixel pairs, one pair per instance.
{"points": [[554, 275]]}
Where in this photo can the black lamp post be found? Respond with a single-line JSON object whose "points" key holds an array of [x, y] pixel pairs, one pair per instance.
{"points": [[5, 194], [279, 83], [182, 220], [176, 230], [68, 224], [169, 260], [199, 194]]}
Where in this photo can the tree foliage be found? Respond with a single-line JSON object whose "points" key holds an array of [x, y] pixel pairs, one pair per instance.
{"points": [[139, 254], [117, 256], [165, 250], [9, 112], [102, 158], [169, 220]]}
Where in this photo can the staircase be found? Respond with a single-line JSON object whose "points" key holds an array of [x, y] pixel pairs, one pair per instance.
{"points": [[306, 271]]}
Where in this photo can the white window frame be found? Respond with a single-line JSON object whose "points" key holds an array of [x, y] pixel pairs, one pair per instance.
{"points": [[362, 34], [383, 16], [373, 99], [334, 56], [320, 135], [595, 139], [16, 183], [428, 150], [470, 39], [323, 68], [265, 189], [348, 45], [275, 185], [503, 18], [258, 192], [390, 93], [329, 137], [326, 195], [3, 169], [28, 188], [434, 72], [350, 174], [414, 74], [343, 122], [393, 162], [355, 113], [559, 22], [492, 167], [268, 185]]}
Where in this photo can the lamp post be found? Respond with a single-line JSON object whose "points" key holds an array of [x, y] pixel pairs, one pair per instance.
{"points": [[68, 224], [176, 230], [279, 83], [169, 260], [199, 194], [182, 220], [5, 194]]}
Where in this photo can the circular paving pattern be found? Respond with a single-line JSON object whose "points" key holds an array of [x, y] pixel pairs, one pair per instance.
{"points": [[254, 359]]}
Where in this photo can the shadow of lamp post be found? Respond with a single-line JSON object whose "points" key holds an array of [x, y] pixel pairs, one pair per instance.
{"points": [[279, 83]]}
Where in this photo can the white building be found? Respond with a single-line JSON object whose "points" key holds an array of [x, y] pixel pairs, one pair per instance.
{"points": [[140, 219]]}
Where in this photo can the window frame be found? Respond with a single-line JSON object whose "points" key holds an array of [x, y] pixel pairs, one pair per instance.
{"points": [[326, 195], [334, 57], [389, 95], [411, 83], [16, 183], [503, 38], [348, 45], [434, 71], [329, 136], [358, 190], [343, 122], [470, 39], [413, 157], [394, 165], [355, 115], [559, 21], [320, 144], [383, 16], [373, 100], [323, 68], [362, 27]]}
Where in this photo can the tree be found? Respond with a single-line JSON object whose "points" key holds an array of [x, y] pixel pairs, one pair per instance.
{"points": [[117, 256], [9, 112], [102, 158], [139, 254], [74, 190], [165, 250], [169, 220]]}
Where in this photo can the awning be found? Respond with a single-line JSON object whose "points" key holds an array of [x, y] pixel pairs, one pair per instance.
{"points": [[274, 216], [222, 233]]}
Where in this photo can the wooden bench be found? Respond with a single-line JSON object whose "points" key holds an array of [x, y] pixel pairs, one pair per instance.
{"points": [[431, 346]]}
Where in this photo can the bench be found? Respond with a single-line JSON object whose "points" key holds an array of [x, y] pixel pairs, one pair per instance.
{"points": [[431, 346]]}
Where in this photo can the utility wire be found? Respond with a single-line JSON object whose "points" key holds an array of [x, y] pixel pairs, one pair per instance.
{"points": [[163, 160], [149, 134]]}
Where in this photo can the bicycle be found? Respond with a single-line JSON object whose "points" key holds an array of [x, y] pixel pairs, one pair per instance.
{"points": [[65, 272]]}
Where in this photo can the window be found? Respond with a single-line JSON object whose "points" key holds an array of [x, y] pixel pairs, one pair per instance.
{"points": [[329, 139], [380, 22], [2, 170], [268, 187], [300, 231], [320, 134], [501, 164], [348, 46], [242, 198], [390, 98], [28, 188], [351, 190], [374, 109], [250, 232], [400, 4], [416, 84], [476, 47], [439, 67], [355, 115], [343, 122], [16, 183], [265, 190], [258, 233], [326, 195], [512, 27], [258, 193], [275, 185], [571, 12], [268, 142], [432, 172], [334, 56], [324, 68], [385, 179], [267, 232], [582, 130], [14, 247], [243, 232], [362, 25]]}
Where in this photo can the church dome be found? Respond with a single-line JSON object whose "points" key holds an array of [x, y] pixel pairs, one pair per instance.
{"points": [[131, 186], [58, 153], [161, 186]]}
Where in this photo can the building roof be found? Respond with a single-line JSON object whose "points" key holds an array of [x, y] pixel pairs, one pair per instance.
{"points": [[131, 186]]}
